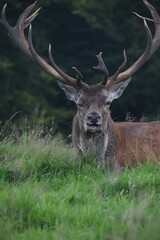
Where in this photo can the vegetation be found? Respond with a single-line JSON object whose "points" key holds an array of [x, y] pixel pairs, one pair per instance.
{"points": [[87, 28], [46, 193]]}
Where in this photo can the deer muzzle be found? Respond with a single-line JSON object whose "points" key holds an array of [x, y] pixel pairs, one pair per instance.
{"points": [[93, 121]]}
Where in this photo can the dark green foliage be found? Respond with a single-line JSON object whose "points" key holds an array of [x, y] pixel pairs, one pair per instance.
{"points": [[78, 31]]}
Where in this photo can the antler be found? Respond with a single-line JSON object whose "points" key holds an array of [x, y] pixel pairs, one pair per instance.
{"points": [[25, 19], [152, 46], [17, 34], [113, 78], [79, 76], [102, 68]]}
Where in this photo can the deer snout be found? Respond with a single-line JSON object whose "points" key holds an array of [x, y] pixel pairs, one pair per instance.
{"points": [[94, 119]]}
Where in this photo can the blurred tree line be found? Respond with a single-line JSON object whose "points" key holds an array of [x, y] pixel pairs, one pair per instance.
{"points": [[78, 30]]}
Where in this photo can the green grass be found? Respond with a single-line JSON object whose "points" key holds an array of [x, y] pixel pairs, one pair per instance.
{"points": [[45, 193]]}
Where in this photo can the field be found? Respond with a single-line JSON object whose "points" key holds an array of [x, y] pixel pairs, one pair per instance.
{"points": [[45, 193]]}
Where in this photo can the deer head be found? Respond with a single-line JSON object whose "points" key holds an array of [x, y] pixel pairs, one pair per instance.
{"points": [[93, 101]]}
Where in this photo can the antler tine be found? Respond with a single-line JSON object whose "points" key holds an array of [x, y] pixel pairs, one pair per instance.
{"points": [[147, 19], [21, 20], [79, 77], [143, 58], [102, 68], [43, 63], [113, 78], [156, 19], [63, 74], [3, 17], [17, 32], [30, 19]]}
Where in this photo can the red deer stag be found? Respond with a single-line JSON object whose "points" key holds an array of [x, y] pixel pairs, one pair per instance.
{"points": [[94, 130]]}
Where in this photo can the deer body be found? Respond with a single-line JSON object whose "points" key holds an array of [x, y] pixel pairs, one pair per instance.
{"points": [[120, 144], [94, 130], [140, 141]]}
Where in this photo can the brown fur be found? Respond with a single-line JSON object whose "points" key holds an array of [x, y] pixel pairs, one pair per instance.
{"points": [[136, 142], [128, 143]]}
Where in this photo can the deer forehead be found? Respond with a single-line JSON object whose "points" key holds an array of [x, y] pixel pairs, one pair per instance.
{"points": [[92, 95]]}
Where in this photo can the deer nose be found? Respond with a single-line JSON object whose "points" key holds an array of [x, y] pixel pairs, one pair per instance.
{"points": [[94, 119]]}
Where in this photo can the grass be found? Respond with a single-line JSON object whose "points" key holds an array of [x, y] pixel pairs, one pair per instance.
{"points": [[46, 193]]}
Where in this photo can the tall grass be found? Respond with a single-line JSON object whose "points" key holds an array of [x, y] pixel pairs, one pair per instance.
{"points": [[47, 193]]}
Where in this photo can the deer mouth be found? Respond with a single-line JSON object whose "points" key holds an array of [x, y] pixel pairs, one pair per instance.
{"points": [[92, 127]]}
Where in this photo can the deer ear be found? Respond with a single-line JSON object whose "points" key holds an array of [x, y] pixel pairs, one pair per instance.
{"points": [[116, 90], [70, 92]]}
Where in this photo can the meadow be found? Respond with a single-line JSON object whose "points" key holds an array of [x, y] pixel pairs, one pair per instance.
{"points": [[46, 193]]}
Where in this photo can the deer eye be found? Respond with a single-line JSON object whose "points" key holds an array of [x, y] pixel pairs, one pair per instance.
{"points": [[80, 105], [107, 103]]}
